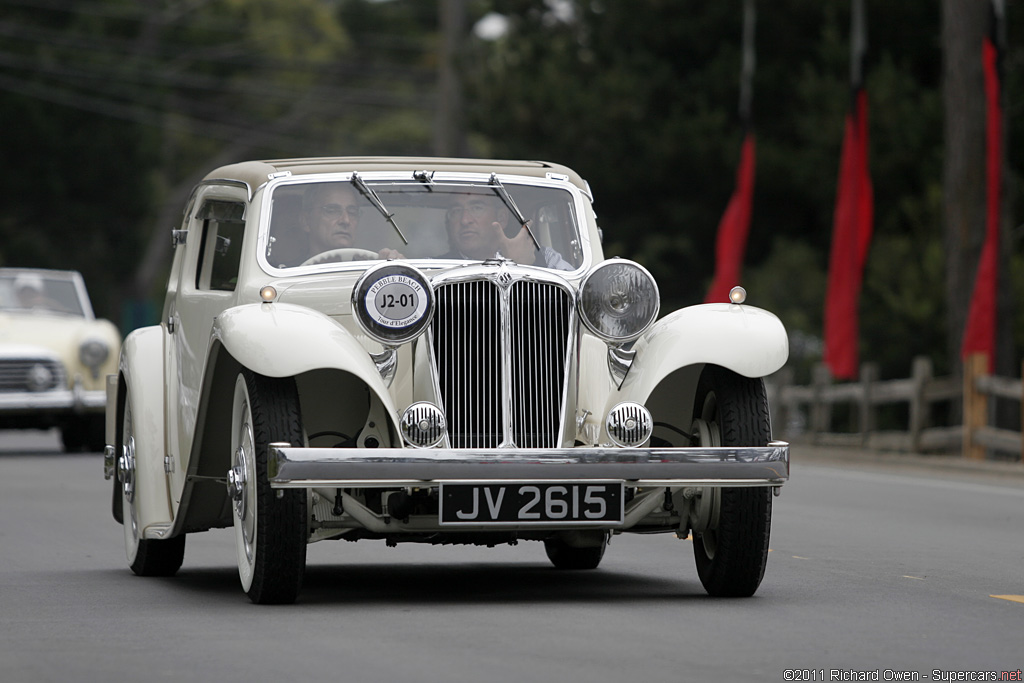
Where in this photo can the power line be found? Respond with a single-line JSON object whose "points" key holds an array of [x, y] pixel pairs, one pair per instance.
{"points": [[137, 11], [138, 114], [133, 78], [217, 52]]}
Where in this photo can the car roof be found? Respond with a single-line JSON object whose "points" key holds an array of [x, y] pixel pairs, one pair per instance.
{"points": [[256, 173]]}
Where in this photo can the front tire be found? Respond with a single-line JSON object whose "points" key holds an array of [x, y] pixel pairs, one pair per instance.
{"points": [[731, 557], [146, 556], [270, 524]]}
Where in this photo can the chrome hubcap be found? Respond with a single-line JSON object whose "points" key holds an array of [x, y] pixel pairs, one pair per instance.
{"points": [[241, 482], [237, 482], [705, 428], [710, 541], [127, 474], [126, 469], [707, 432]]}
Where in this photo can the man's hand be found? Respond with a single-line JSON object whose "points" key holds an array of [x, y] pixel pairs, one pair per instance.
{"points": [[519, 248], [387, 253]]}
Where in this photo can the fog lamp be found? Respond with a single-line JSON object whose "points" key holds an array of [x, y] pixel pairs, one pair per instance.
{"points": [[423, 425], [629, 424]]}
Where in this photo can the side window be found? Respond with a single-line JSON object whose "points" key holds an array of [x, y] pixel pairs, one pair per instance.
{"points": [[220, 250]]}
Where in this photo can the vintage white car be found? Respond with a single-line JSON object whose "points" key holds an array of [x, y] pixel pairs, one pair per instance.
{"points": [[434, 351], [54, 356]]}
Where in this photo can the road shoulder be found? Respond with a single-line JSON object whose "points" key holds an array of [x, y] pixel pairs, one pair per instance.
{"points": [[933, 465]]}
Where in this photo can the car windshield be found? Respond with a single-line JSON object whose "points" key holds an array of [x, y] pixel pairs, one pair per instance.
{"points": [[23, 291], [324, 222]]}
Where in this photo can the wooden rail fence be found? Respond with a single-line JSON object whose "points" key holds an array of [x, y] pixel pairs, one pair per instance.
{"points": [[912, 414]]}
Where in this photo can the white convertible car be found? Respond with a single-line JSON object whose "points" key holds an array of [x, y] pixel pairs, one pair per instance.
{"points": [[433, 351], [55, 356]]}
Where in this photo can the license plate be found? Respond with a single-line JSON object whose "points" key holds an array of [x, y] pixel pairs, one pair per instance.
{"points": [[532, 503]]}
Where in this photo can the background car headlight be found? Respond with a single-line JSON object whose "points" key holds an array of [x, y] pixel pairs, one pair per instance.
{"points": [[619, 300], [393, 303], [93, 353]]}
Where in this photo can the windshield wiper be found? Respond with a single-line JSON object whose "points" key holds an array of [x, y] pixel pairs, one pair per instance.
{"points": [[500, 190], [365, 190]]}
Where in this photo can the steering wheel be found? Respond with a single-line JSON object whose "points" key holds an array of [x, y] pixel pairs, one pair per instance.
{"points": [[345, 254]]}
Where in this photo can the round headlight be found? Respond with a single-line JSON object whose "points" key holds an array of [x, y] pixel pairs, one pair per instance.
{"points": [[619, 300], [93, 353], [393, 303]]}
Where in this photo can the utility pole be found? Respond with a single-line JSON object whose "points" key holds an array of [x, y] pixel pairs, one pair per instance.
{"points": [[963, 29], [449, 139]]}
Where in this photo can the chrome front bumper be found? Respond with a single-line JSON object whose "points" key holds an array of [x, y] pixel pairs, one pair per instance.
{"points": [[65, 400], [291, 467]]}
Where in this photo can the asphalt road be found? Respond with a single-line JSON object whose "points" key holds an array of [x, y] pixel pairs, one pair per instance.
{"points": [[877, 567]]}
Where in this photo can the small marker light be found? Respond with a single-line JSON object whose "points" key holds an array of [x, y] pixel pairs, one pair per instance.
{"points": [[737, 295], [268, 293]]}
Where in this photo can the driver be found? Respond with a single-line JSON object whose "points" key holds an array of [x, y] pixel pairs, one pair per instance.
{"points": [[330, 219], [31, 293]]}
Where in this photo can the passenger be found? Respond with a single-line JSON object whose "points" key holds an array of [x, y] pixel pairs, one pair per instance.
{"points": [[476, 231]]}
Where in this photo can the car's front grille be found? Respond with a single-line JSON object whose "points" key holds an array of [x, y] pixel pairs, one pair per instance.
{"points": [[31, 374], [501, 356]]}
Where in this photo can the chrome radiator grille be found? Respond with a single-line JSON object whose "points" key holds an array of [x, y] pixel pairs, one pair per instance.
{"points": [[31, 374], [501, 358]]}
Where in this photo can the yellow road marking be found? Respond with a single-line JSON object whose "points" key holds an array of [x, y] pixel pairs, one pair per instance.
{"points": [[919, 578], [797, 557], [1011, 598]]}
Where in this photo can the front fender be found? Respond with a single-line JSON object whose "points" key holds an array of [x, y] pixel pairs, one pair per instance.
{"points": [[275, 340], [747, 340], [283, 340], [142, 383]]}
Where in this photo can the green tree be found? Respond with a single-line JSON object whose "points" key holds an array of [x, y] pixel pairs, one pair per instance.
{"points": [[641, 98], [121, 106]]}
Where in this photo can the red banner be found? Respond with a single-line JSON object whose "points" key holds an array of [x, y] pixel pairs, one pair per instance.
{"points": [[851, 237], [734, 227], [980, 332]]}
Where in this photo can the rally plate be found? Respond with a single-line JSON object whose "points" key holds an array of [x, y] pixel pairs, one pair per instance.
{"points": [[532, 502]]}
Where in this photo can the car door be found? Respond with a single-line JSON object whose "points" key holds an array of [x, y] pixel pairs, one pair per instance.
{"points": [[205, 286]]}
